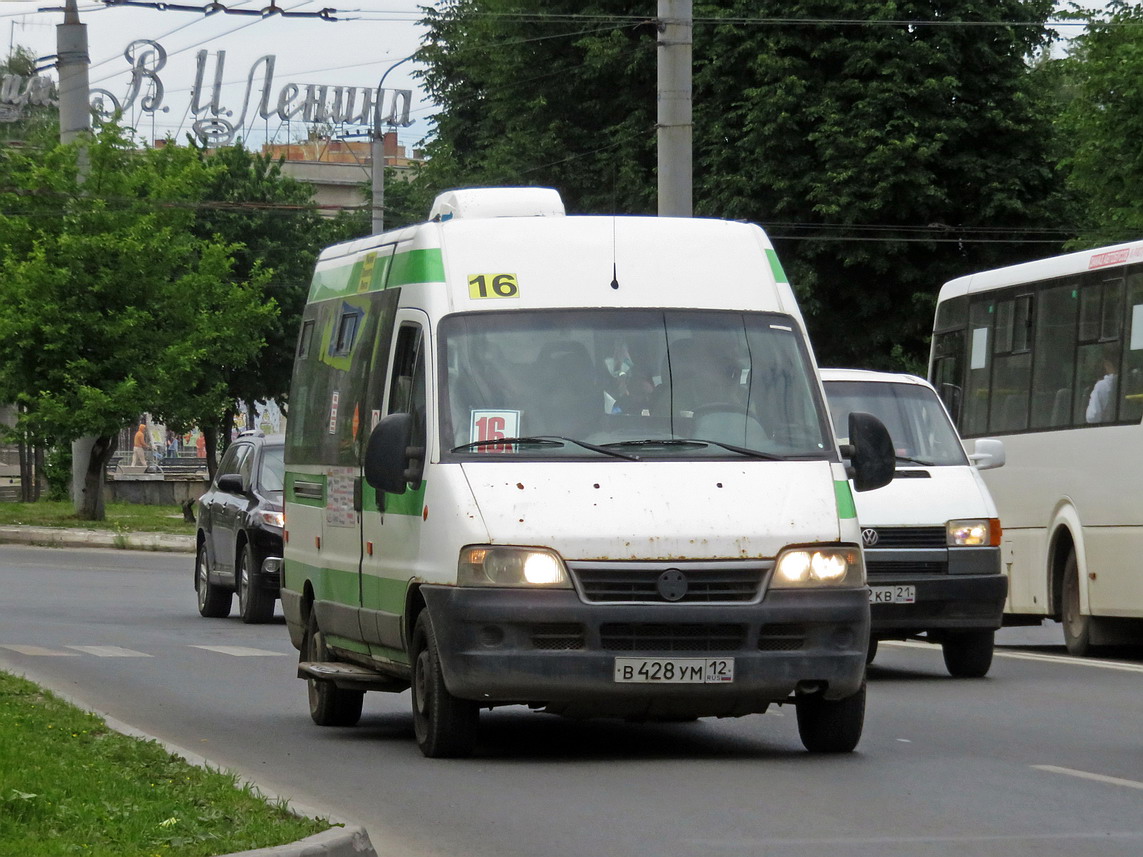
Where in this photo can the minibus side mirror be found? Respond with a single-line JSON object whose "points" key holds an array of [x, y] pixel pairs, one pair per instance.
{"points": [[989, 453], [231, 483], [870, 449], [390, 462]]}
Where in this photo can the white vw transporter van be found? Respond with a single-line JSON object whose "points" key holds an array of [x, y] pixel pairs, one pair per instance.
{"points": [[581, 464]]}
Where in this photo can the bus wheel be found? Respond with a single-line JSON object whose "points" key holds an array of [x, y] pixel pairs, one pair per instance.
{"points": [[1077, 626], [968, 654], [213, 601], [330, 705], [445, 726], [831, 725], [255, 603]]}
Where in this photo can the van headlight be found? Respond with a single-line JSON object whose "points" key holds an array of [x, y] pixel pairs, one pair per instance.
{"points": [[487, 565], [973, 532], [809, 567]]}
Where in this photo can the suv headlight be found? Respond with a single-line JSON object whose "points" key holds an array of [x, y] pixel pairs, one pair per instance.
{"points": [[488, 565], [973, 532], [273, 519], [824, 566]]}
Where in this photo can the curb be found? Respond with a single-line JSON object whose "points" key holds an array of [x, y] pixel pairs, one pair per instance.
{"points": [[335, 842], [74, 537]]}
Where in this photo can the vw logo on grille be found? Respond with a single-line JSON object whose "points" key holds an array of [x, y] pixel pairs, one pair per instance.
{"points": [[869, 537], [672, 585]]}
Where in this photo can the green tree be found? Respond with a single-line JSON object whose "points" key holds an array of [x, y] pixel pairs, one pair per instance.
{"points": [[105, 291], [1102, 84], [886, 146]]}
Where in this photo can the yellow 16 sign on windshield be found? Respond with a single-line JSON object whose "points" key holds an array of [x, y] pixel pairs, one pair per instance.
{"points": [[493, 286]]}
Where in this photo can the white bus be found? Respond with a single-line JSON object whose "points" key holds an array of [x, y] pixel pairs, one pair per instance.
{"points": [[1049, 356]]}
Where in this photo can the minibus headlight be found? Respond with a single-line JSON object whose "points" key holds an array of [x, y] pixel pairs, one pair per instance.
{"points": [[841, 566], [973, 532], [511, 566]]}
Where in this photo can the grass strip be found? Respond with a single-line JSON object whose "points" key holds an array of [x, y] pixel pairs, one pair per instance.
{"points": [[121, 517], [69, 785]]}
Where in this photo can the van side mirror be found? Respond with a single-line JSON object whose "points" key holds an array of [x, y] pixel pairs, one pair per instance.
{"points": [[989, 453], [390, 462], [870, 451]]}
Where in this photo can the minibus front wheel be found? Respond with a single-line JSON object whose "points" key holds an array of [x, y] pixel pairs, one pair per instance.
{"points": [[445, 725], [831, 725]]}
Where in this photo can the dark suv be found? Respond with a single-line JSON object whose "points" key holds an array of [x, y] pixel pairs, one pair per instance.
{"points": [[239, 542]]}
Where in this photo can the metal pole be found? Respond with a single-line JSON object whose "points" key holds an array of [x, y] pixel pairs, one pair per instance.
{"points": [[377, 153], [674, 107]]}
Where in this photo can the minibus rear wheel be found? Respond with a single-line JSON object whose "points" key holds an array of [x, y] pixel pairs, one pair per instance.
{"points": [[445, 725], [831, 725], [330, 705]]}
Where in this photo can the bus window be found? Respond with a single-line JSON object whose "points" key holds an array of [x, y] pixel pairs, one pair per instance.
{"points": [[1054, 338], [979, 387], [1131, 391]]}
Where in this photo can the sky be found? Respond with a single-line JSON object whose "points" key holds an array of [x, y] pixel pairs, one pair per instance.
{"points": [[368, 38]]}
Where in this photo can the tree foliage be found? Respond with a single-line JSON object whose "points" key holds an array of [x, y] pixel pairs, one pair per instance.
{"points": [[1102, 84], [886, 146]]}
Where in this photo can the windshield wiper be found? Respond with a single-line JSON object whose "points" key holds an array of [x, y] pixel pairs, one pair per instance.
{"points": [[904, 459], [679, 441], [526, 441], [549, 440]]}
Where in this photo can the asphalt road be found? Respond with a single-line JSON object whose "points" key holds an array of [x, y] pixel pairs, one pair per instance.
{"points": [[1044, 757]]}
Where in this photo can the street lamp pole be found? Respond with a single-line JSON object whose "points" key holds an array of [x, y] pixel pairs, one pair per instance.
{"points": [[378, 154]]}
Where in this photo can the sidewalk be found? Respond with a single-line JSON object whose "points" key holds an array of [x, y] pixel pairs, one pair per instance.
{"points": [[74, 537]]}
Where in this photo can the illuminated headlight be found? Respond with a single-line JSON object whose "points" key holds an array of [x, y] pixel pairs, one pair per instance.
{"points": [[973, 532], [273, 519], [819, 567], [511, 566]]}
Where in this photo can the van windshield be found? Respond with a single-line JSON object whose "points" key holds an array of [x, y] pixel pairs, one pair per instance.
{"points": [[626, 384], [917, 422]]}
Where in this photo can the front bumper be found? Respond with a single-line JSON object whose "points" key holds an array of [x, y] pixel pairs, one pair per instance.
{"points": [[550, 649], [943, 602]]}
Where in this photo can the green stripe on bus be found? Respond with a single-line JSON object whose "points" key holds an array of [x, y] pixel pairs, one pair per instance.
{"points": [[416, 266], [291, 493], [845, 505], [343, 587], [776, 267]]}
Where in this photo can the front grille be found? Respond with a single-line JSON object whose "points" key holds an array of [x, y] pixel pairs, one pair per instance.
{"points": [[876, 567], [704, 585], [558, 637], [648, 637], [781, 638], [910, 537]]}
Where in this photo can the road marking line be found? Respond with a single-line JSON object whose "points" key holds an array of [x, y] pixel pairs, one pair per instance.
{"points": [[39, 651], [1121, 666], [241, 651], [1085, 775], [110, 652]]}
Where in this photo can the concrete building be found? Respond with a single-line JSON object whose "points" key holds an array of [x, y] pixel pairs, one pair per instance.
{"points": [[341, 171]]}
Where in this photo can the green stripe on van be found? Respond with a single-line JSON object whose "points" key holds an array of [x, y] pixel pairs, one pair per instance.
{"points": [[409, 503], [776, 267], [845, 505], [411, 266], [416, 266]]}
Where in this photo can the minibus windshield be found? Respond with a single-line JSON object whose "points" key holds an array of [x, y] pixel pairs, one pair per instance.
{"points": [[629, 384], [921, 431]]}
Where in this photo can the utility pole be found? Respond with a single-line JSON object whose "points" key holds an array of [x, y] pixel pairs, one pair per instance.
{"points": [[676, 26], [377, 153], [72, 63]]}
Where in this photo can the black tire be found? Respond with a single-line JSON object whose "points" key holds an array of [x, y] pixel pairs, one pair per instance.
{"points": [[1077, 626], [255, 603], [831, 725], [445, 726], [330, 705], [968, 654], [871, 652], [213, 600]]}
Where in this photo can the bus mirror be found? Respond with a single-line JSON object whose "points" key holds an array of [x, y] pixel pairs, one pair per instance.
{"points": [[872, 455], [387, 454], [989, 453]]}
